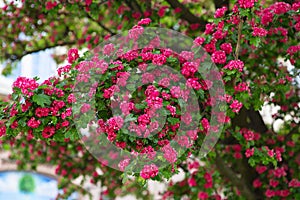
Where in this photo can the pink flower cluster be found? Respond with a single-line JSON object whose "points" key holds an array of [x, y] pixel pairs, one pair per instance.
{"points": [[50, 5], [226, 47], [246, 3], [27, 85], [145, 21], [220, 12], [293, 49], [219, 57], [249, 152], [48, 131], [42, 112], [2, 130], [248, 134], [260, 32], [235, 64], [72, 55], [135, 32], [236, 106], [123, 164], [149, 171], [33, 123], [242, 87], [169, 153]]}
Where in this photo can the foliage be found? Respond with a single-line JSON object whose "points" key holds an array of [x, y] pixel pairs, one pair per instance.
{"points": [[27, 184], [246, 41]]}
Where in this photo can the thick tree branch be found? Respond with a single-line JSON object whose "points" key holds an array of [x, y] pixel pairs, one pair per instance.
{"points": [[221, 3], [186, 14], [238, 182], [134, 5]]}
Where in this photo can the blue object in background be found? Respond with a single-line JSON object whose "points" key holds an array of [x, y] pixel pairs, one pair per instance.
{"points": [[45, 188]]}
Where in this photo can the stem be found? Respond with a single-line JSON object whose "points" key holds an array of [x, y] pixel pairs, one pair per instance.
{"points": [[238, 44]]}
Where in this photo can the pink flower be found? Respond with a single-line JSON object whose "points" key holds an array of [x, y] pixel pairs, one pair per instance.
{"points": [[26, 106], [235, 64], [269, 193], [169, 153], [257, 183], [65, 123], [147, 78], [280, 7], [50, 5], [71, 98], [260, 32], [115, 123], [72, 55], [108, 93], [209, 28], [205, 124], [123, 164], [241, 87], [279, 172], [294, 183], [261, 169], [144, 119], [48, 132], [273, 183], [246, 3], [108, 49], [159, 59], [33, 123], [218, 57], [135, 32], [42, 112], [192, 182], [189, 69], [2, 131], [88, 2], [187, 118], [202, 195], [293, 49], [149, 171], [249, 152], [145, 21], [175, 92], [236, 106], [192, 134], [226, 47], [248, 134], [85, 108], [193, 83], [26, 85], [198, 41], [172, 109], [149, 151], [220, 12]]}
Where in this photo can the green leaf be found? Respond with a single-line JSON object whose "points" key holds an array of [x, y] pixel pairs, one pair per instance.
{"points": [[173, 120], [41, 99], [255, 41], [140, 106]]}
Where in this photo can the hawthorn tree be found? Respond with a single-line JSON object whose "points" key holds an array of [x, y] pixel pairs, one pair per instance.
{"points": [[245, 40]]}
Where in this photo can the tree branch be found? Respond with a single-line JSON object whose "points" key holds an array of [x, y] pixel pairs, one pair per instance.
{"points": [[238, 43], [186, 14], [100, 24], [14, 57], [221, 3], [134, 5], [238, 182]]}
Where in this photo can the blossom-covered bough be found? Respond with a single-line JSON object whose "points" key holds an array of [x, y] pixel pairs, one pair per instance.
{"points": [[150, 102]]}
